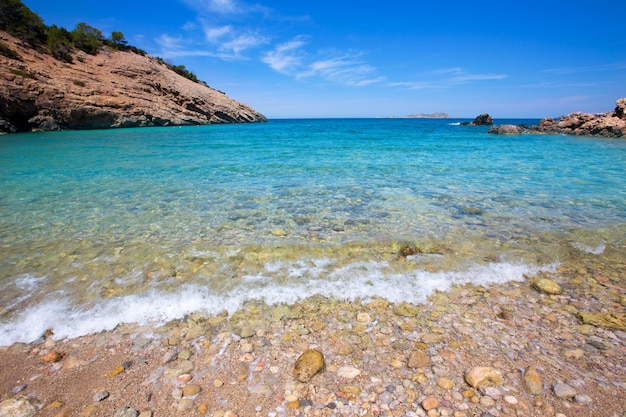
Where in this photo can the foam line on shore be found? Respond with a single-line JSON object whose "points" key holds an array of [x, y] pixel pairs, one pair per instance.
{"points": [[357, 281]]}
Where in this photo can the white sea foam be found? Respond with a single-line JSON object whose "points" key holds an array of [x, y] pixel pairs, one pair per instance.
{"points": [[301, 279], [594, 251]]}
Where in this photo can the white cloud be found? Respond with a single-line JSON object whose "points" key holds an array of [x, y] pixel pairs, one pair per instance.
{"points": [[285, 57], [348, 69], [213, 34], [240, 42]]}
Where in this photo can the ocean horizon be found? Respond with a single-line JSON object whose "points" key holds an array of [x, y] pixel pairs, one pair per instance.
{"points": [[148, 225]]}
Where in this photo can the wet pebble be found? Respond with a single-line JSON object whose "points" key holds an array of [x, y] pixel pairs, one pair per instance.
{"points": [[308, 364], [562, 390], [101, 396], [348, 372], [126, 412]]}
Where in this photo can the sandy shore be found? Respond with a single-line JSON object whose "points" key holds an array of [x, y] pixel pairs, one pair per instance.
{"points": [[542, 359]]}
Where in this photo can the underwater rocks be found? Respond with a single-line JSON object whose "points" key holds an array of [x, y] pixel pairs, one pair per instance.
{"points": [[456, 355], [308, 365]]}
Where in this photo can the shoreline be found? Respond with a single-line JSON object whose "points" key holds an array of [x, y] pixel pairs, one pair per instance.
{"points": [[381, 358]]}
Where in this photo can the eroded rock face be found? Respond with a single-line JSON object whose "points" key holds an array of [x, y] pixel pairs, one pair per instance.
{"points": [[612, 125], [111, 89], [482, 120], [506, 130]]}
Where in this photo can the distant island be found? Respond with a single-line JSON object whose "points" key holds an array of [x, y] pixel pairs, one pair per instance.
{"points": [[422, 116], [54, 79]]}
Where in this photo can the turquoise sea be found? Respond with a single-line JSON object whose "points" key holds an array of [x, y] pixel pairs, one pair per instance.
{"points": [[148, 225]]}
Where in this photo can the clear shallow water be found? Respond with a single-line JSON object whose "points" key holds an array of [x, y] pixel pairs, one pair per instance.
{"points": [[101, 227]]}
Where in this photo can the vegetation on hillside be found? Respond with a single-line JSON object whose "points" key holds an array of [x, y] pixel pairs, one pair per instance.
{"points": [[18, 20]]}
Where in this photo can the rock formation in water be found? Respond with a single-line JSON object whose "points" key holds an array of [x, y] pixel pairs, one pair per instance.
{"points": [[612, 124], [608, 125], [480, 120], [109, 89]]}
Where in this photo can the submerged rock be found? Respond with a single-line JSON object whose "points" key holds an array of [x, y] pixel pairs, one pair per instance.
{"points": [[308, 365], [532, 381], [608, 320], [547, 286], [17, 407]]}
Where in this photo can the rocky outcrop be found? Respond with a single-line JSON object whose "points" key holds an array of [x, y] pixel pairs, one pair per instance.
{"points": [[480, 120], [506, 130], [611, 125], [608, 125], [107, 90]]}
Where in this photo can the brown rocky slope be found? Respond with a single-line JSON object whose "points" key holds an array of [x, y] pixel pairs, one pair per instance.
{"points": [[110, 89]]}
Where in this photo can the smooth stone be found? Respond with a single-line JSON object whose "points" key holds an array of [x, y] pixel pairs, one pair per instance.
{"points": [[191, 390], [363, 318], [487, 401], [562, 390], [583, 399], [509, 399], [547, 286], [492, 392], [100, 396], [262, 389], [348, 372], [350, 389], [308, 364], [445, 383], [418, 359], [406, 310], [52, 356], [17, 407], [126, 412], [169, 357], [430, 403], [480, 375], [184, 378], [184, 404], [532, 381]]}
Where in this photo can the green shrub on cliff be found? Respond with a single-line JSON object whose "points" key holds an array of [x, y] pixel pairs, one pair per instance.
{"points": [[21, 22], [8, 52], [87, 38], [60, 43]]}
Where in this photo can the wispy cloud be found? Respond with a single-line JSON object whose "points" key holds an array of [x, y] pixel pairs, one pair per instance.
{"points": [[346, 68], [446, 78], [286, 57], [216, 6], [592, 68]]}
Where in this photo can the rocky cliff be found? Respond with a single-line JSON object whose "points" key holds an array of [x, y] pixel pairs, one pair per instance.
{"points": [[106, 90]]}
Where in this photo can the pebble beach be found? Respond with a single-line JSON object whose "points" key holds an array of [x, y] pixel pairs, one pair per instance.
{"points": [[553, 345]]}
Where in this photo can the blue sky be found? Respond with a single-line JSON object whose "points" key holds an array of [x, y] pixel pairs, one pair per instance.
{"points": [[298, 58]]}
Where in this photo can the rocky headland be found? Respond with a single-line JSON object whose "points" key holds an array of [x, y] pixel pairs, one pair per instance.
{"points": [[110, 89], [609, 125]]}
